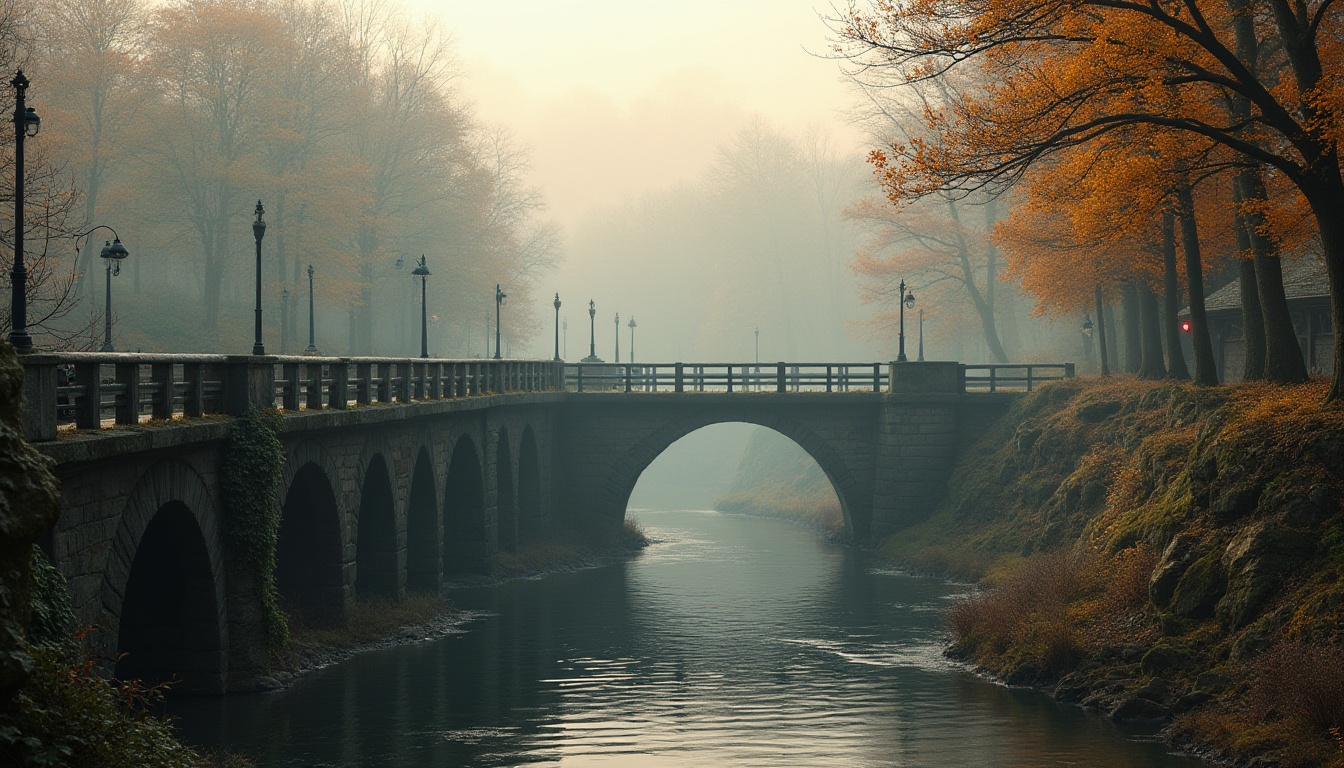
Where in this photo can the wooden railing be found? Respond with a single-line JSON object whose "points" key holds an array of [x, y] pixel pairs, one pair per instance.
{"points": [[725, 377], [1000, 378], [92, 390]]}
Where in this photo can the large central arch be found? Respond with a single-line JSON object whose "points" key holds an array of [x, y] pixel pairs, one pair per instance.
{"points": [[626, 469], [466, 533]]}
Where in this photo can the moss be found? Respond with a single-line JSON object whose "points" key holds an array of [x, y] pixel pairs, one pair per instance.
{"points": [[252, 467]]}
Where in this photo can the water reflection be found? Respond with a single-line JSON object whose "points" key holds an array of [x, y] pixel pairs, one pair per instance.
{"points": [[735, 642]]}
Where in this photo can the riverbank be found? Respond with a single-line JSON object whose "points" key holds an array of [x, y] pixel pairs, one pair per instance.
{"points": [[1160, 552]]}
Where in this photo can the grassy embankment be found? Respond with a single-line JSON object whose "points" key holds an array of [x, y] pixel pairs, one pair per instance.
{"points": [[776, 478], [1161, 552]]}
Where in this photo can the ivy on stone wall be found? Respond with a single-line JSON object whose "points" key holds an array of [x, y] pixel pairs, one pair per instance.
{"points": [[251, 473]]}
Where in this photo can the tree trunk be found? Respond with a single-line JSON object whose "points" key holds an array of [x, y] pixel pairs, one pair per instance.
{"points": [[983, 307], [1171, 307], [1112, 347], [1206, 369], [1327, 203], [1129, 297], [1101, 333], [1283, 353], [1150, 350], [1252, 316]]}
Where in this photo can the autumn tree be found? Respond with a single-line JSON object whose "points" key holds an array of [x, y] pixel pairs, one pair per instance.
{"points": [[1066, 73]]}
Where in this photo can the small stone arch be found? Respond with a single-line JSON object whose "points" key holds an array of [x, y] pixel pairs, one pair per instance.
{"points": [[529, 488], [626, 471], [466, 536], [163, 586], [424, 558], [506, 509], [378, 571], [310, 570]]}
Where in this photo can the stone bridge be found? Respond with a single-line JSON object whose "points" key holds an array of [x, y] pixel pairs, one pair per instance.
{"points": [[402, 474]]}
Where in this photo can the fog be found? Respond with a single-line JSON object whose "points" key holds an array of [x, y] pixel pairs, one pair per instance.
{"points": [[698, 167]]}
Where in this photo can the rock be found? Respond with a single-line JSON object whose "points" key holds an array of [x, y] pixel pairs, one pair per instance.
{"points": [[1139, 710], [1200, 588], [1165, 657], [1095, 412], [29, 504], [268, 684], [1167, 574], [1191, 700], [1235, 502], [1302, 510], [1025, 438], [1257, 561], [1157, 690], [1213, 682]]}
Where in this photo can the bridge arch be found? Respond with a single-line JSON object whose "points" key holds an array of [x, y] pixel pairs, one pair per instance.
{"points": [[626, 470], [310, 569], [466, 534], [529, 487], [377, 570], [163, 587], [423, 553], [506, 509]]}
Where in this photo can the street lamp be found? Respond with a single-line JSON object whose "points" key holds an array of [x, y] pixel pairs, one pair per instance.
{"points": [[423, 273], [618, 337], [592, 334], [312, 348], [921, 335], [500, 296], [1087, 326], [632, 326], [112, 254], [258, 232], [26, 124], [907, 300], [284, 318], [556, 304]]}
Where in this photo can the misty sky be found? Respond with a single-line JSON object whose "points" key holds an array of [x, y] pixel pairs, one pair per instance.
{"points": [[616, 97]]}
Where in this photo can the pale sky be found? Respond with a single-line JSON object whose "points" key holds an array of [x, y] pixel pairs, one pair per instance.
{"points": [[618, 97]]}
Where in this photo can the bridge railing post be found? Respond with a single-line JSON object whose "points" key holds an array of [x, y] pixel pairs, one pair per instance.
{"points": [[679, 378], [339, 389], [781, 383], [249, 382], [41, 377], [127, 376], [406, 367], [627, 377], [161, 386], [315, 389], [89, 411], [1068, 370], [363, 383], [877, 377], [193, 395]]}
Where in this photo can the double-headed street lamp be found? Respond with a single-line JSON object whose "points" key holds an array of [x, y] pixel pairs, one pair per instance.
{"points": [[26, 125], [112, 254], [907, 300], [423, 273], [500, 296], [556, 304], [632, 326], [258, 232]]}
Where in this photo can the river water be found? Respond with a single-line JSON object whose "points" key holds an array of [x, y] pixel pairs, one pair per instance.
{"points": [[734, 641]]}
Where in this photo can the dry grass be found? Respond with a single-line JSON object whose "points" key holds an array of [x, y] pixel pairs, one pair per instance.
{"points": [[367, 620]]}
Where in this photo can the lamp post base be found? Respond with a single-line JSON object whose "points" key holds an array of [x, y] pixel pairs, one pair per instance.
{"points": [[592, 359]]}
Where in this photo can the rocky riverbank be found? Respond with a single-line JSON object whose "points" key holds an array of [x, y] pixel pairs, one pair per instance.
{"points": [[1159, 552]]}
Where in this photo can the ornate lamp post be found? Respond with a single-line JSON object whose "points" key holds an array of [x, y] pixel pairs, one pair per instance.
{"points": [[921, 335], [112, 254], [592, 334], [907, 300], [284, 318], [258, 232], [500, 296], [632, 326], [423, 273], [312, 348], [618, 337], [556, 304], [26, 124]]}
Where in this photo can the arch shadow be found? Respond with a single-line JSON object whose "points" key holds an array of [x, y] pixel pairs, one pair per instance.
{"points": [[506, 511], [466, 540], [529, 488], [423, 558], [377, 570], [309, 568]]}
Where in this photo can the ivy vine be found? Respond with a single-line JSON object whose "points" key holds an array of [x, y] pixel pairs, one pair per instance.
{"points": [[251, 473]]}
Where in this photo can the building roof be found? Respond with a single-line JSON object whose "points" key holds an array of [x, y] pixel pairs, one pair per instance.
{"points": [[1303, 278]]}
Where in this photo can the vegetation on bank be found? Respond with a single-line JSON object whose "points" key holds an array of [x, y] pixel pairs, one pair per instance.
{"points": [[777, 478], [563, 552], [1159, 551]]}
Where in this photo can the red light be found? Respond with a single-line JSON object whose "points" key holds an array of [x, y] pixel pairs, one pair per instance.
{"points": [[1185, 326]]}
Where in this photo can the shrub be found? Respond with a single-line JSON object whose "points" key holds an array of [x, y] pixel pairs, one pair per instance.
{"points": [[1302, 683]]}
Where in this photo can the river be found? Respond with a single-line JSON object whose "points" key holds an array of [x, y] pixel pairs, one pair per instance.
{"points": [[733, 641]]}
